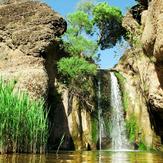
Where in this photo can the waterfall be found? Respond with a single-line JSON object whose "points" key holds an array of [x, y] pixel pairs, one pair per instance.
{"points": [[100, 117], [118, 132], [99, 113]]}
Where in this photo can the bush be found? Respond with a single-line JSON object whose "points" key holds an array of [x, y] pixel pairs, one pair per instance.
{"points": [[76, 68]]}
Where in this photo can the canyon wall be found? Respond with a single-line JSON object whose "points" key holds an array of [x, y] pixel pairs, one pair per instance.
{"points": [[142, 67]]}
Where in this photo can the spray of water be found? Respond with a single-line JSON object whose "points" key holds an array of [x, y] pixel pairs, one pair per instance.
{"points": [[118, 133]]}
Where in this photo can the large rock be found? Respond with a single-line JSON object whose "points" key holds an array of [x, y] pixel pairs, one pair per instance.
{"points": [[27, 32], [152, 40], [143, 70]]}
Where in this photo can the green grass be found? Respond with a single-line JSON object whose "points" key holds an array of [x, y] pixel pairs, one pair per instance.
{"points": [[23, 126]]}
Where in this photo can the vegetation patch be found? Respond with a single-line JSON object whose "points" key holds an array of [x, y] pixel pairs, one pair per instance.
{"points": [[23, 126], [132, 128], [94, 129], [134, 133], [142, 146]]}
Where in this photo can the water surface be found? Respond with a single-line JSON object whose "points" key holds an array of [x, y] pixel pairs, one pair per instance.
{"points": [[86, 157]]}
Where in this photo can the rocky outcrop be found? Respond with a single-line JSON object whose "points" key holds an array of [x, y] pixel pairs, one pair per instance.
{"points": [[72, 120], [27, 32], [142, 67]]}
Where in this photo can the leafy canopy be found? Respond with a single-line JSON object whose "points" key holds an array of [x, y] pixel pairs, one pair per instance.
{"points": [[80, 46], [80, 21], [108, 20], [96, 25], [76, 67]]}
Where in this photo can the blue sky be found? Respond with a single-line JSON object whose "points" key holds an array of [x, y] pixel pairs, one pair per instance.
{"points": [[108, 57]]}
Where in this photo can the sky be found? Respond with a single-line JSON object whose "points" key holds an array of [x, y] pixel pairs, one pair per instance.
{"points": [[108, 57]]}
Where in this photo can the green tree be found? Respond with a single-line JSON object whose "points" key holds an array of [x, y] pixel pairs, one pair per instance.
{"points": [[76, 73], [74, 68], [108, 21], [91, 27]]}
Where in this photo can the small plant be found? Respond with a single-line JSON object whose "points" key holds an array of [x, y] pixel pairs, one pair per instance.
{"points": [[23, 126], [142, 146], [61, 141], [132, 128], [94, 129]]}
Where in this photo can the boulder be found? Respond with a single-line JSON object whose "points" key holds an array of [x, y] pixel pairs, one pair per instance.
{"points": [[28, 31]]}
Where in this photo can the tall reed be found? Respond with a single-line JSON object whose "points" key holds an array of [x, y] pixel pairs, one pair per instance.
{"points": [[23, 122]]}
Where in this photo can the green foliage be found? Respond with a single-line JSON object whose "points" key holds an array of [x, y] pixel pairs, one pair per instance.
{"points": [[75, 67], [94, 123], [76, 73], [86, 6], [23, 126], [133, 133], [78, 45], [142, 146], [76, 42], [108, 20], [133, 39], [132, 128], [80, 21], [92, 26]]}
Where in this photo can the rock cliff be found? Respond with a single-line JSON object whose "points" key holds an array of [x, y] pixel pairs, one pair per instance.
{"points": [[27, 32], [142, 66]]}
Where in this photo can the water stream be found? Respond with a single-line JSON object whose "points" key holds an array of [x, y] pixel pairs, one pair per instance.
{"points": [[99, 113], [118, 133]]}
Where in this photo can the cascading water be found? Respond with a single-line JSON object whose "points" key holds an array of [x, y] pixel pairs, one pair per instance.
{"points": [[99, 113], [100, 118], [118, 132]]}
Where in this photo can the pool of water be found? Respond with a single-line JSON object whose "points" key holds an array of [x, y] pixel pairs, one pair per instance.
{"points": [[86, 157]]}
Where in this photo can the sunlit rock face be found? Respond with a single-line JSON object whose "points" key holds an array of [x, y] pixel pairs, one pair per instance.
{"points": [[143, 68], [27, 33], [152, 40]]}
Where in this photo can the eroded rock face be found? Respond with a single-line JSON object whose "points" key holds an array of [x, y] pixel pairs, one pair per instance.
{"points": [[143, 69], [152, 33], [27, 31], [29, 26], [152, 40]]}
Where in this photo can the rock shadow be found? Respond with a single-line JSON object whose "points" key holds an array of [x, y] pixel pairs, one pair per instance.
{"points": [[159, 71], [58, 122]]}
